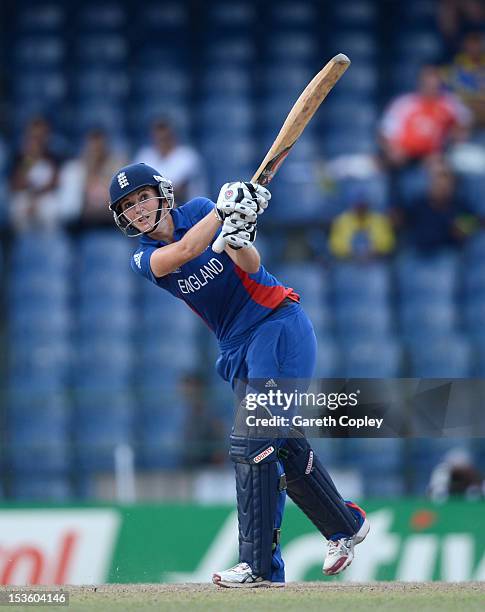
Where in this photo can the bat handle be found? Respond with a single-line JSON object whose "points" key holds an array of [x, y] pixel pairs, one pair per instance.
{"points": [[219, 244]]}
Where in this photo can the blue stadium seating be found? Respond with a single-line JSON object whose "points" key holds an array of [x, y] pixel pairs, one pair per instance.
{"points": [[158, 19], [31, 487], [377, 357], [363, 319], [422, 277], [365, 281], [39, 425], [446, 357], [161, 436], [35, 17], [40, 51], [101, 16], [292, 14], [235, 49], [103, 420]]}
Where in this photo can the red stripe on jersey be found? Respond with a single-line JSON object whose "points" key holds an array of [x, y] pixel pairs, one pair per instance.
{"points": [[264, 295]]}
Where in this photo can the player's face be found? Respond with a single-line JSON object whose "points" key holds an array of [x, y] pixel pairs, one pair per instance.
{"points": [[140, 208]]}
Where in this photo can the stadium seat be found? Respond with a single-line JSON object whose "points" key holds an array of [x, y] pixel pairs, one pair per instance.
{"points": [[102, 422], [101, 16], [359, 45], [52, 248], [99, 83], [31, 487], [367, 280], [160, 18], [355, 13], [350, 141], [422, 277], [38, 424], [36, 17], [161, 434], [288, 78], [227, 79], [290, 45], [307, 278], [165, 79], [235, 14], [423, 46], [446, 357], [38, 51], [329, 364], [378, 357], [363, 319], [301, 15], [48, 87], [428, 317], [101, 50]]}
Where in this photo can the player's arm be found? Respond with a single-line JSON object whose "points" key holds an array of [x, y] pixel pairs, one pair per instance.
{"points": [[247, 259], [168, 258]]}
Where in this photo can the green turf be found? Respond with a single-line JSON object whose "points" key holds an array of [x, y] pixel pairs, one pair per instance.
{"points": [[465, 597]]}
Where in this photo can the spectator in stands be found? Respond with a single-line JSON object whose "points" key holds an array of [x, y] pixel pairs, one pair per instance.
{"points": [[456, 475], [418, 124], [34, 179], [83, 183], [438, 220], [361, 233], [466, 75], [457, 17], [180, 162]]}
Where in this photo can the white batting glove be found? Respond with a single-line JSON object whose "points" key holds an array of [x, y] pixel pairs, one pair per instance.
{"points": [[248, 199], [260, 195], [237, 232]]}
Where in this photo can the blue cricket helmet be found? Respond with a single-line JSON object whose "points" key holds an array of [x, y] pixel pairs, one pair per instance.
{"points": [[129, 179]]}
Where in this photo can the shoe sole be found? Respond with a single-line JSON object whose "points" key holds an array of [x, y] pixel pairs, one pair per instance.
{"points": [[265, 584]]}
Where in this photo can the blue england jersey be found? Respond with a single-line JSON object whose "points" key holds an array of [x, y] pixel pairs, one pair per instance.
{"points": [[228, 299]]}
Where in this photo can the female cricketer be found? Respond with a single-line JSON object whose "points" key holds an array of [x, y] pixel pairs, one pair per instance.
{"points": [[263, 333]]}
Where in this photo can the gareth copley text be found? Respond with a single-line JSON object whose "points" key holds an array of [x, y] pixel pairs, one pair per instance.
{"points": [[326, 421]]}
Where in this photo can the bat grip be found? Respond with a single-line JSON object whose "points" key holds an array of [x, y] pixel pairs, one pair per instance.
{"points": [[219, 244]]}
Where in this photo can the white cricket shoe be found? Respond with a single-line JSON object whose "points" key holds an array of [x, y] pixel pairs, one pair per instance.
{"points": [[241, 576], [340, 553]]}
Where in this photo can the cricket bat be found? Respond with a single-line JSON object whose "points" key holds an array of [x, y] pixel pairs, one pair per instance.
{"points": [[303, 110]]}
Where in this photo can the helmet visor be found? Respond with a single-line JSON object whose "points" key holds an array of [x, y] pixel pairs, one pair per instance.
{"points": [[142, 217]]}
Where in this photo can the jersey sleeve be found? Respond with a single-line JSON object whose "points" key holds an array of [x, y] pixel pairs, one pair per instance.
{"points": [[198, 208], [140, 262]]}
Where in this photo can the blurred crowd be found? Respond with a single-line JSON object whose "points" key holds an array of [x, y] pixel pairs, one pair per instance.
{"points": [[49, 191]]}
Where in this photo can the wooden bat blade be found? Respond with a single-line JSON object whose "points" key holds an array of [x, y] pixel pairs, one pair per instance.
{"points": [[303, 110]]}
